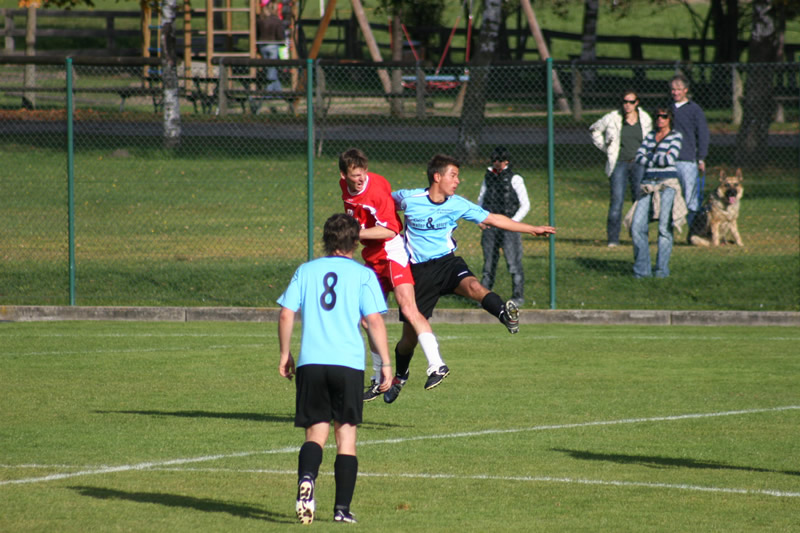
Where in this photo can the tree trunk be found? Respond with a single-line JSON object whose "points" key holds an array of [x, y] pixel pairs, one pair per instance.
{"points": [[471, 125], [759, 105], [29, 97], [723, 16], [396, 105], [169, 75], [726, 34], [589, 38]]}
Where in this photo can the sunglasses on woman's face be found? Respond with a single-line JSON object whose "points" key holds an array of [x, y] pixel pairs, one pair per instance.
{"points": [[662, 115], [629, 101]]}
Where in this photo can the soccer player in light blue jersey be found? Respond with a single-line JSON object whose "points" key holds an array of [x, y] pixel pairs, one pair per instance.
{"points": [[332, 294], [431, 215]]}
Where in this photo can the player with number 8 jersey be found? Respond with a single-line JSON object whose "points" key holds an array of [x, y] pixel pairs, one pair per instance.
{"points": [[329, 286], [333, 294]]}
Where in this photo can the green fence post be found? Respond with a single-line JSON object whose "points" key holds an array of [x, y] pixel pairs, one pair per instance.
{"points": [[70, 185], [551, 217], [310, 126]]}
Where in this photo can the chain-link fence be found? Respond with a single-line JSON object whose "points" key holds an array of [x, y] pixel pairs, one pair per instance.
{"points": [[225, 217]]}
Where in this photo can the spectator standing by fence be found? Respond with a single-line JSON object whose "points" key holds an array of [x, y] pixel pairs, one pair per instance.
{"points": [[661, 197], [619, 134], [270, 37], [690, 121], [503, 191], [333, 294]]}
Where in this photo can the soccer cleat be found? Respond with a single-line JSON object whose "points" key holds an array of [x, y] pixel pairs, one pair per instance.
{"points": [[437, 377], [305, 500], [509, 316], [344, 516], [372, 391], [397, 385]]}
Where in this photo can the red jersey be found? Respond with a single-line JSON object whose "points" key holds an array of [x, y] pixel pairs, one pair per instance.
{"points": [[374, 206]]}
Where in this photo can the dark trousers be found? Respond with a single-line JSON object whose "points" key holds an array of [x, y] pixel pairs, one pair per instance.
{"points": [[492, 240]]}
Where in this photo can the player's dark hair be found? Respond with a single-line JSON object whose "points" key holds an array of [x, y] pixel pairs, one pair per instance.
{"points": [[352, 158], [439, 163], [340, 234]]}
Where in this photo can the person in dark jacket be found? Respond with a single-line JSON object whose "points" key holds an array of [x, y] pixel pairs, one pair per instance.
{"points": [[503, 192], [690, 122]]}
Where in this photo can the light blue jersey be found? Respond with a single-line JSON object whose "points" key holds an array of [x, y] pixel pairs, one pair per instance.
{"points": [[332, 294], [429, 226]]}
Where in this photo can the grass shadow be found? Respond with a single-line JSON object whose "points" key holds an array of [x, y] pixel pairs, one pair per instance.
{"points": [[188, 502], [250, 417], [654, 461]]}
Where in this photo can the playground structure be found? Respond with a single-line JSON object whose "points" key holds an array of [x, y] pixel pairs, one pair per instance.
{"points": [[226, 23], [229, 20]]}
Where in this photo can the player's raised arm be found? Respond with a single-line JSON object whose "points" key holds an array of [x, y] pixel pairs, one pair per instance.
{"points": [[376, 232], [503, 222]]}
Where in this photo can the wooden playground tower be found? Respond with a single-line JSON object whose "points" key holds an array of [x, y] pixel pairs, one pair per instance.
{"points": [[225, 21]]}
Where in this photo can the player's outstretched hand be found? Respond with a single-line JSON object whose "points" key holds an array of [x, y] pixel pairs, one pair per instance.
{"points": [[544, 230], [386, 378]]}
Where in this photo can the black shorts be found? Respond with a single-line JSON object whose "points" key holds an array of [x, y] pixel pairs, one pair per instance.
{"points": [[326, 393], [435, 278]]}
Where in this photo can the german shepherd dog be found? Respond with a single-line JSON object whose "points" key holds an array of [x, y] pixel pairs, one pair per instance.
{"points": [[719, 216]]}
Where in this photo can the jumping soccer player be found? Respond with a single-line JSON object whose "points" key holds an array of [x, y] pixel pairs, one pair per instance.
{"points": [[431, 216], [367, 197]]}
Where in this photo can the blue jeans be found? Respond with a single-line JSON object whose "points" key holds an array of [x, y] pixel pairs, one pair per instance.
{"points": [[639, 231], [624, 172], [687, 175], [270, 51]]}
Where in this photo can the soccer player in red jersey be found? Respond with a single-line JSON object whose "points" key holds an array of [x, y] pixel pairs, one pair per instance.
{"points": [[367, 197]]}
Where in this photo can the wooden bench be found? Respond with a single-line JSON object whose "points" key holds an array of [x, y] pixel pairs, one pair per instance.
{"points": [[156, 93]]}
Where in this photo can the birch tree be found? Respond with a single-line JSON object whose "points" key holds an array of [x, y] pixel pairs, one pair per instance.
{"points": [[169, 74]]}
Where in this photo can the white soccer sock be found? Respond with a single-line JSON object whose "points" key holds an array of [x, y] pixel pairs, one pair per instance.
{"points": [[430, 348], [377, 363]]}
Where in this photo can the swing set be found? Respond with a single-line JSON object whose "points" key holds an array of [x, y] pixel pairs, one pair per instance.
{"points": [[436, 81]]}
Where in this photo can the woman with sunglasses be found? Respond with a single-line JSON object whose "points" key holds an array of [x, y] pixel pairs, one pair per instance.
{"points": [[619, 134], [661, 196]]}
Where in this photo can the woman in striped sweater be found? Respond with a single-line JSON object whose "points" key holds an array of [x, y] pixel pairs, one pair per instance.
{"points": [[661, 196]]}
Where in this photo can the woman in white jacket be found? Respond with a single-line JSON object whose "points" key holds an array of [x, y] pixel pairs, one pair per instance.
{"points": [[619, 134]]}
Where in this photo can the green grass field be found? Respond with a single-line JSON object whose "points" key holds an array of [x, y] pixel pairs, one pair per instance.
{"points": [[219, 224], [112, 426]]}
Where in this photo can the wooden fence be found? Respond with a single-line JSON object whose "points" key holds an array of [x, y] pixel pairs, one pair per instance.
{"points": [[343, 38]]}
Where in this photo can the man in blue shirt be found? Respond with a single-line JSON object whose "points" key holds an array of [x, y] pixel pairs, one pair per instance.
{"points": [[690, 121], [332, 294], [431, 216]]}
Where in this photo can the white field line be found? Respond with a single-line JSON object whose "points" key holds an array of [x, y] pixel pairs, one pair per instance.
{"points": [[206, 458], [535, 479]]}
